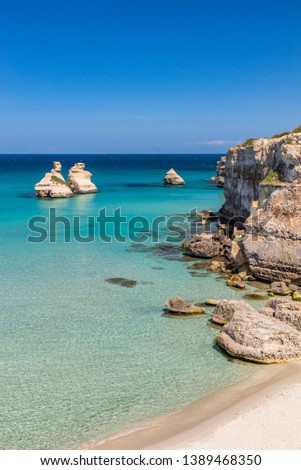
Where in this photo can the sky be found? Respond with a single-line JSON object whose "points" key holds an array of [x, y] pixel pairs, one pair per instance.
{"points": [[146, 76]]}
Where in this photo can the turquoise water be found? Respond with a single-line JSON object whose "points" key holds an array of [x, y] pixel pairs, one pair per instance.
{"points": [[82, 358]]}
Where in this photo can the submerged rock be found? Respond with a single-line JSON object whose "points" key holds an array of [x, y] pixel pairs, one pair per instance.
{"points": [[226, 308], [79, 180], [172, 178], [253, 336], [255, 296], [121, 281], [177, 305], [53, 184]]}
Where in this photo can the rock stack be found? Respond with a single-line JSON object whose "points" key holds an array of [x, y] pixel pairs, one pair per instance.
{"points": [[172, 178], [79, 180], [53, 184]]}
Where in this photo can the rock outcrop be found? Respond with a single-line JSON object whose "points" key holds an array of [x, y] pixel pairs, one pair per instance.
{"points": [[53, 184], [79, 180], [263, 190], [203, 245], [177, 305], [219, 179], [287, 311], [225, 310], [272, 244], [172, 178], [253, 336], [257, 168]]}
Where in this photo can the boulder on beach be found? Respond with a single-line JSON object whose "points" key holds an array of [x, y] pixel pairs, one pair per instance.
{"points": [[253, 336], [53, 184], [79, 180], [173, 178], [177, 305]]}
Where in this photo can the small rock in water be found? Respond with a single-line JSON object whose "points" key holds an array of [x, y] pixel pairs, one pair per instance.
{"points": [[212, 302], [280, 288], [235, 281], [172, 178], [177, 305], [121, 281]]}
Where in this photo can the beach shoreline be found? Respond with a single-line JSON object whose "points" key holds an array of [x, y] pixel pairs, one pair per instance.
{"points": [[195, 423]]}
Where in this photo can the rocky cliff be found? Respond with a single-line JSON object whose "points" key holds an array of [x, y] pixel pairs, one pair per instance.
{"points": [[219, 179], [258, 165], [263, 185]]}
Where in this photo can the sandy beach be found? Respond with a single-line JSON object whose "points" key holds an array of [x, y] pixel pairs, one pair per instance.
{"points": [[261, 413]]}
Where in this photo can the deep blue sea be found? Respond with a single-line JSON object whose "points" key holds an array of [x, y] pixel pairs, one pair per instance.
{"points": [[80, 357]]}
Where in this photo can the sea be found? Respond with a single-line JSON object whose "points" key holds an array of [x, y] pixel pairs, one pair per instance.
{"points": [[86, 348]]}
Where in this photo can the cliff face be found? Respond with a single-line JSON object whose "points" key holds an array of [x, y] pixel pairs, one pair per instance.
{"points": [[270, 161], [272, 244], [263, 185]]}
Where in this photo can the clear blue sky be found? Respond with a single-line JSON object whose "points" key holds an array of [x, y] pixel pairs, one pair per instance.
{"points": [[149, 76]]}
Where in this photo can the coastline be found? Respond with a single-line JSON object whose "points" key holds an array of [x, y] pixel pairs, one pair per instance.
{"points": [[195, 422]]}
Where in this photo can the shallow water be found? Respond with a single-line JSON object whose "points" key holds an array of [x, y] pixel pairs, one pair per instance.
{"points": [[82, 357]]}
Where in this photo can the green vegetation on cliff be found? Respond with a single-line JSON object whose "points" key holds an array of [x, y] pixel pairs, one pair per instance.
{"points": [[55, 179], [271, 178], [250, 141]]}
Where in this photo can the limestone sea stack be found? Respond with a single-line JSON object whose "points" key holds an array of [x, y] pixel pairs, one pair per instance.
{"points": [[53, 184], [79, 180], [172, 178]]}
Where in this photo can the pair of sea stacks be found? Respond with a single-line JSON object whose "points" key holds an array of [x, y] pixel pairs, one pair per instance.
{"points": [[54, 185]]}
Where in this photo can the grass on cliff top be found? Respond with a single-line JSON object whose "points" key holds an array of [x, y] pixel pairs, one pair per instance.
{"points": [[55, 179], [297, 130], [275, 136], [250, 141], [271, 178]]}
